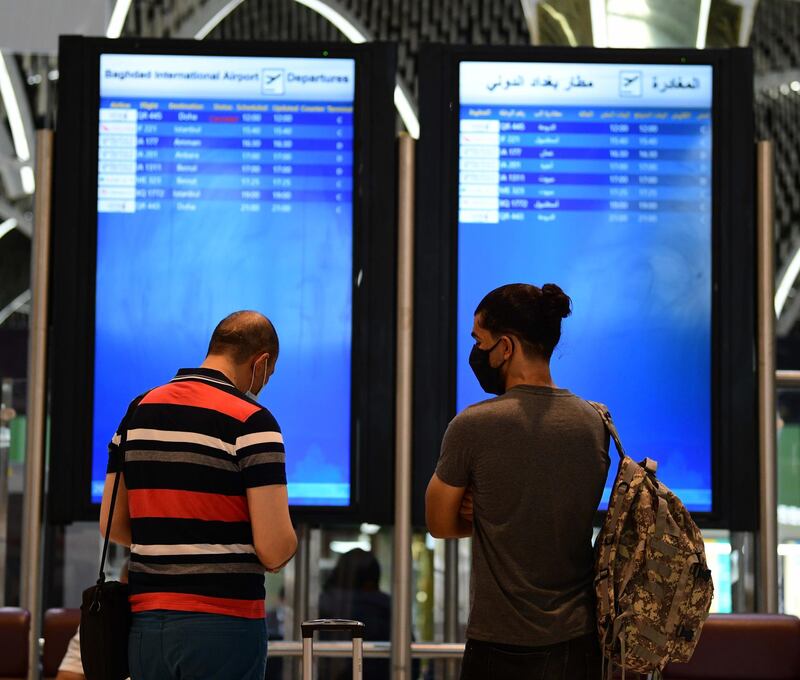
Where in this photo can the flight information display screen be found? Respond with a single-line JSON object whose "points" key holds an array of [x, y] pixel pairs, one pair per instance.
{"points": [[598, 177], [226, 183]]}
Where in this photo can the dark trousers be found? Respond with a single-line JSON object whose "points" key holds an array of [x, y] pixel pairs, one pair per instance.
{"points": [[577, 659], [186, 646]]}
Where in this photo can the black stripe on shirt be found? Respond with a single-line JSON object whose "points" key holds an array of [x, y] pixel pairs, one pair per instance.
{"points": [[170, 531], [183, 477], [239, 586], [226, 558]]}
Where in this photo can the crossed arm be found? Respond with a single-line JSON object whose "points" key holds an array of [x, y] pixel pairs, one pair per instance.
{"points": [[448, 509]]}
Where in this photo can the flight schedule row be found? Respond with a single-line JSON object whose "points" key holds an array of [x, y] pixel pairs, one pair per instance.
{"points": [[557, 165], [155, 156]]}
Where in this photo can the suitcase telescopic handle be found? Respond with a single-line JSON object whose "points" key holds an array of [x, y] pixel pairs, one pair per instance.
{"points": [[355, 628]]}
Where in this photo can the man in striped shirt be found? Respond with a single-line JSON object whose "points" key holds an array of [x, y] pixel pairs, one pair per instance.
{"points": [[204, 508]]}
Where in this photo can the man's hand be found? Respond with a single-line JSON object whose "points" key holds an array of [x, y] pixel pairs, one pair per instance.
{"points": [[466, 509]]}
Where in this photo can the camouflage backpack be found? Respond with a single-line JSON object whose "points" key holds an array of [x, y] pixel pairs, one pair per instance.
{"points": [[652, 582]]}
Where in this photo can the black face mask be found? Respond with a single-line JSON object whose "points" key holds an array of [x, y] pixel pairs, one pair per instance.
{"points": [[490, 379]]}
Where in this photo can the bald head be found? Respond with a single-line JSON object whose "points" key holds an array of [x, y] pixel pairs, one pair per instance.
{"points": [[242, 335]]}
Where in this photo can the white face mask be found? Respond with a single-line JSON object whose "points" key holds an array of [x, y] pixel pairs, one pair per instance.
{"points": [[250, 393]]}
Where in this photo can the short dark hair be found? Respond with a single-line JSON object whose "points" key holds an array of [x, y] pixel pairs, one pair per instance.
{"points": [[355, 570], [242, 334], [532, 314]]}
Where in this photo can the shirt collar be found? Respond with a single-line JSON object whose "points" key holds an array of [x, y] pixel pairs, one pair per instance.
{"points": [[210, 373]]}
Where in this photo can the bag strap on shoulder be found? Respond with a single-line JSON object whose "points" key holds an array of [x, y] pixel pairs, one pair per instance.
{"points": [[605, 415], [102, 576]]}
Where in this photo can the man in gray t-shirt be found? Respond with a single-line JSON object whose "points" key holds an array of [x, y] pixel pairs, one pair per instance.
{"points": [[535, 460], [523, 474]]}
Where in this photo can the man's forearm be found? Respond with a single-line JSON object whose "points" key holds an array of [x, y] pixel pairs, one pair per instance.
{"points": [[458, 528], [463, 528]]}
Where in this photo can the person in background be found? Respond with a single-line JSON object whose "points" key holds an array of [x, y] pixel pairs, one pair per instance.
{"points": [[522, 474], [203, 506], [352, 591]]}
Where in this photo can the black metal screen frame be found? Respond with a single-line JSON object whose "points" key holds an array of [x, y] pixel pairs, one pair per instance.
{"points": [[734, 457], [373, 276]]}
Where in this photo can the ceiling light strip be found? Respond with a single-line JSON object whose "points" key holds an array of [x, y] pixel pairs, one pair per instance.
{"points": [[352, 30], [10, 94], [702, 24], [599, 22], [347, 25], [789, 278], [217, 19], [7, 226], [13, 111], [14, 306], [118, 16]]}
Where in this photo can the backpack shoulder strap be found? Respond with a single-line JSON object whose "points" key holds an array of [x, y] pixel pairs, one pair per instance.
{"points": [[605, 415]]}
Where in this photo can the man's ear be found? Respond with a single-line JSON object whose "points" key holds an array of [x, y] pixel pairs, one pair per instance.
{"points": [[508, 346]]}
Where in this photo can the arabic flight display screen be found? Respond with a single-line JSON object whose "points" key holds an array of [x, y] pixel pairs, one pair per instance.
{"points": [[598, 177], [226, 183]]}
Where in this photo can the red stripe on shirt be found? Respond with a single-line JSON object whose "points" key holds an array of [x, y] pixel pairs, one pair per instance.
{"points": [[175, 504], [182, 602], [191, 393]]}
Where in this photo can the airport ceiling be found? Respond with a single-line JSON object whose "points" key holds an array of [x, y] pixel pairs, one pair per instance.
{"points": [[775, 39]]}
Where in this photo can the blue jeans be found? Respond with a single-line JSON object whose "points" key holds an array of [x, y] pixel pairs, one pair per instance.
{"points": [[167, 645]]}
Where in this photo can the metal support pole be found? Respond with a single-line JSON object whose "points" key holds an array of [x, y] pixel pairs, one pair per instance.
{"points": [[451, 602], [371, 650], [767, 422], [743, 571], [787, 379], [33, 507], [308, 659], [6, 414], [301, 578], [401, 576], [358, 655]]}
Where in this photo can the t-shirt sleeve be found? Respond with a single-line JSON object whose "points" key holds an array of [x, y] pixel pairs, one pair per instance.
{"points": [[116, 456], [260, 453], [455, 458]]}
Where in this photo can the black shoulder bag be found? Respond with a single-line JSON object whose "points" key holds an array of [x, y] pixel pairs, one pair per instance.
{"points": [[106, 617]]}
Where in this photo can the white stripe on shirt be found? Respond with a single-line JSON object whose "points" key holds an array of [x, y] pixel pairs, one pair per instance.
{"points": [[259, 438], [193, 549], [180, 438]]}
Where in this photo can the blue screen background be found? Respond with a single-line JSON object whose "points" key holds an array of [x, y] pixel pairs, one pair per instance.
{"points": [[166, 277], [163, 285], [639, 338]]}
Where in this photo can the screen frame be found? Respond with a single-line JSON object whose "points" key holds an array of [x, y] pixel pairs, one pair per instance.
{"points": [[733, 445], [372, 277]]}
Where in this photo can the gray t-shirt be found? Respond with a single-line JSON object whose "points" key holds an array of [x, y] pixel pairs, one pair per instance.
{"points": [[536, 459]]}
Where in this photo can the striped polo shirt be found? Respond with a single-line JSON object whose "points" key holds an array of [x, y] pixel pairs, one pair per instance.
{"points": [[189, 451]]}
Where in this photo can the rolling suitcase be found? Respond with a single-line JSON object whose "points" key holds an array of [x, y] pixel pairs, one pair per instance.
{"points": [[356, 629]]}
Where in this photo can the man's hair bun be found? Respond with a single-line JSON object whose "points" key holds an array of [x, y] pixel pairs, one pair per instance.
{"points": [[531, 313], [555, 301]]}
